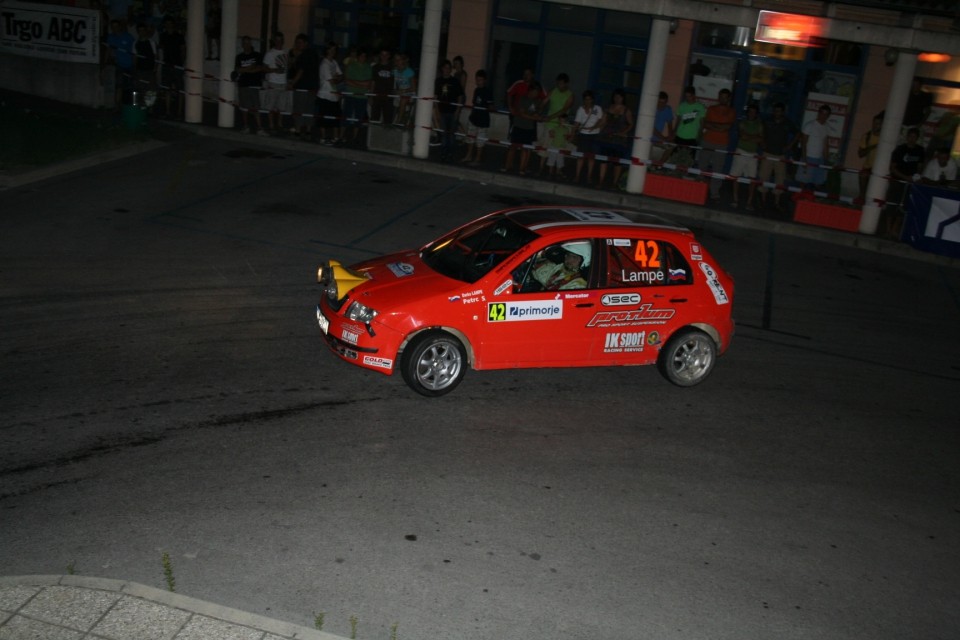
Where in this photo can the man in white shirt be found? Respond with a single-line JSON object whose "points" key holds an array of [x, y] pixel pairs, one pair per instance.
{"points": [[815, 150], [276, 97], [331, 75], [941, 170]]}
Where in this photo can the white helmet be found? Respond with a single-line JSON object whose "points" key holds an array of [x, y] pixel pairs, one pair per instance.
{"points": [[581, 249]]}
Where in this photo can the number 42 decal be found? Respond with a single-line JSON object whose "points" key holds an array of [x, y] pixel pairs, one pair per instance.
{"points": [[640, 255]]}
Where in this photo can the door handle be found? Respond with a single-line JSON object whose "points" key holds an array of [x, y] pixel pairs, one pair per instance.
{"points": [[678, 299], [583, 305]]}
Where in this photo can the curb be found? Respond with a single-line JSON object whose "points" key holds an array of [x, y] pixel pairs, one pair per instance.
{"points": [[172, 600]]}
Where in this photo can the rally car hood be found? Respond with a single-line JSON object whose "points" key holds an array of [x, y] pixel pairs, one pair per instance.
{"points": [[399, 278]]}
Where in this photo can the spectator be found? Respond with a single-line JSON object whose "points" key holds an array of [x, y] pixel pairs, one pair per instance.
{"points": [[248, 73], [459, 72], [146, 64], [523, 134], [941, 170], [779, 138], [329, 96], [717, 124], [587, 124], [446, 109], [689, 124], [276, 98], [919, 103], [479, 120], [214, 19], [662, 129], [556, 108], [359, 77], [749, 136], [616, 134], [868, 151], [121, 45], [945, 132], [814, 143], [518, 90], [906, 166], [405, 81], [173, 49], [381, 106], [304, 77]]}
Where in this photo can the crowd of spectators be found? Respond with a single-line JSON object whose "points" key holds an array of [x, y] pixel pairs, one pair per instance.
{"points": [[331, 99]]}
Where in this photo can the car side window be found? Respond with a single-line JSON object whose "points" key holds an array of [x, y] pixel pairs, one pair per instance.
{"points": [[562, 266], [633, 262]]}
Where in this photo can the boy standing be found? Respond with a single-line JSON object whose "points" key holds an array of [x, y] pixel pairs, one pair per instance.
{"points": [[479, 120]]}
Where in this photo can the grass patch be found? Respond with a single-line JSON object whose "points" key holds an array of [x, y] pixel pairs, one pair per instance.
{"points": [[33, 138]]}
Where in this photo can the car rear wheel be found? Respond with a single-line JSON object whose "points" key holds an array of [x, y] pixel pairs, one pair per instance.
{"points": [[688, 358], [433, 363]]}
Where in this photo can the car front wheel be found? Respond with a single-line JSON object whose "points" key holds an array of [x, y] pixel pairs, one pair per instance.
{"points": [[433, 363], [688, 358]]}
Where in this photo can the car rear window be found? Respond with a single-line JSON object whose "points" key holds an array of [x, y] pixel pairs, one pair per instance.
{"points": [[635, 262]]}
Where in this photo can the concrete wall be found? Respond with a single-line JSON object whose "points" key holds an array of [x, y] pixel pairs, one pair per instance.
{"points": [[468, 36]]}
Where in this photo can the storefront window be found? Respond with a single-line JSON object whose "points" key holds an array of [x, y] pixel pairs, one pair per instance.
{"points": [[709, 74], [831, 83], [626, 24], [847, 54], [396, 24], [520, 10], [770, 84], [724, 36], [778, 51], [565, 16], [622, 67]]}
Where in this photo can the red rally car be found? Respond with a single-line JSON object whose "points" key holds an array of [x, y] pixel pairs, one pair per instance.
{"points": [[545, 286]]}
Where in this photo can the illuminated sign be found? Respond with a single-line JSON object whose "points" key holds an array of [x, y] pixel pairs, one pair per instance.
{"points": [[933, 57], [791, 29]]}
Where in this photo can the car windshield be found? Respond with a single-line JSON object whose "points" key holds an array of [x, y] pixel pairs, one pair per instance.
{"points": [[472, 251]]}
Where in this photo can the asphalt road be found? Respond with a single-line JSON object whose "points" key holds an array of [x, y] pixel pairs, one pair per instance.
{"points": [[165, 389]]}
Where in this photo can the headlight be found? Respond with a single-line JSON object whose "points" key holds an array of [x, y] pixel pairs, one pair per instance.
{"points": [[360, 313]]}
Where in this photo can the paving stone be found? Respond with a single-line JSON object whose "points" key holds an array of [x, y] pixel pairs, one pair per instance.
{"points": [[74, 608], [135, 619], [14, 597], [203, 628], [20, 628]]}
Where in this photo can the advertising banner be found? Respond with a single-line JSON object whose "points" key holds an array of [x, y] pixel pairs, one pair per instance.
{"points": [[50, 31], [932, 221]]}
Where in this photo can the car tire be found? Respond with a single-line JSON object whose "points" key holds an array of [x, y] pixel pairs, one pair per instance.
{"points": [[688, 357], [433, 363]]}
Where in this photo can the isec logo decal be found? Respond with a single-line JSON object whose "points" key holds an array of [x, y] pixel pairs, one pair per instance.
{"points": [[620, 299]]}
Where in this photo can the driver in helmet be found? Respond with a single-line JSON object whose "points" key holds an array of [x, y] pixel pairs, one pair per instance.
{"points": [[565, 275]]}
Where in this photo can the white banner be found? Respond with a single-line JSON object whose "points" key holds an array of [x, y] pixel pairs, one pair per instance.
{"points": [[50, 31]]}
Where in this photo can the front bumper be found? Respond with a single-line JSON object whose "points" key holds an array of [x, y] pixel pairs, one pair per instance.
{"points": [[352, 341]]}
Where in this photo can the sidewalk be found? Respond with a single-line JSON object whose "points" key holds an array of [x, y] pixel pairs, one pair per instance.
{"points": [[75, 607]]}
